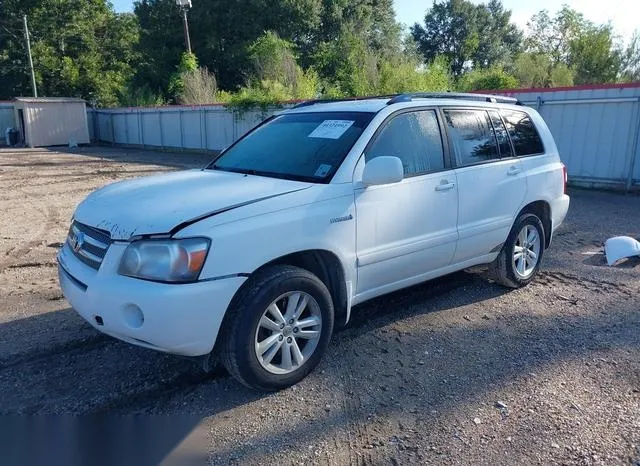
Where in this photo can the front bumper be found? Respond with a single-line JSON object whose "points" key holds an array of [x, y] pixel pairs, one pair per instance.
{"points": [[175, 318]]}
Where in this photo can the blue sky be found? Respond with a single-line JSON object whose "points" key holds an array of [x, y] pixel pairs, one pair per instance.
{"points": [[623, 14]]}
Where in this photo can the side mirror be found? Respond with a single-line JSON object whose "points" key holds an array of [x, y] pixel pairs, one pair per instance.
{"points": [[382, 170]]}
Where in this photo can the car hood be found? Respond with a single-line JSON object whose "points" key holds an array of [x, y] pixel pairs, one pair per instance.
{"points": [[163, 203]]}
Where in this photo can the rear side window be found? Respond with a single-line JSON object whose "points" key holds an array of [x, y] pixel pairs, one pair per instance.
{"points": [[524, 135], [413, 137], [501, 135], [472, 137]]}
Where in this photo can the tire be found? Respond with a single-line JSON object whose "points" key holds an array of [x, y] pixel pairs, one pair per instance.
{"points": [[245, 335], [508, 272]]}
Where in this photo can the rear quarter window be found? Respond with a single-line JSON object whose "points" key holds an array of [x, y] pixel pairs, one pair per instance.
{"points": [[524, 134]]}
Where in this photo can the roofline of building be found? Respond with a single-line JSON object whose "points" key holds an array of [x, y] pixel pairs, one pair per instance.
{"points": [[49, 99]]}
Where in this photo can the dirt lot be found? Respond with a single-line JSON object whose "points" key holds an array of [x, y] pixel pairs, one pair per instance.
{"points": [[457, 370]]}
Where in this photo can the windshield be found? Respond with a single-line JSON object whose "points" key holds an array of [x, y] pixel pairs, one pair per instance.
{"points": [[300, 146]]}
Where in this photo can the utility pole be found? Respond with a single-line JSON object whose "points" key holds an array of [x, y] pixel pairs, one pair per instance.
{"points": [[184, 6], [26, 38], [187, 39]]}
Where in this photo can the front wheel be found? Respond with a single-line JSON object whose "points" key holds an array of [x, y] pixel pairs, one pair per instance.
{"points": [[521, 255], [279, 328]]}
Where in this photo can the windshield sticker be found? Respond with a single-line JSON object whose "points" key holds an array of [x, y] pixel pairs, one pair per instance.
{"points": [[322, 171], [331, 129]]}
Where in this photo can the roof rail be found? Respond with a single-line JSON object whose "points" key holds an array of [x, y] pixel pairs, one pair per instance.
{"points": [[307, 103], [454, 95]]}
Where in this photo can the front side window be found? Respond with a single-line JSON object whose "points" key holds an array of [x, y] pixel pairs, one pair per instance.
{"points": [[472, 137], [298, 146], [413, 137], [524, 135]]}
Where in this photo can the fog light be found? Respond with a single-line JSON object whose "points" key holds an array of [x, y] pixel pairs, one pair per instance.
{"points": [[133, 316]]}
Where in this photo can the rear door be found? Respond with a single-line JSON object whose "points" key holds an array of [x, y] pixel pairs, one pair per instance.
{"points": [[408, 229], [491, 182]]}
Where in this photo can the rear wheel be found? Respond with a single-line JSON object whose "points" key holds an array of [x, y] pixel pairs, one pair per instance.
{"points": [[279, 328], [521, 255]]}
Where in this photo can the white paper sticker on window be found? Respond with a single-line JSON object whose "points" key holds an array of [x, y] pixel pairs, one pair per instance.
{"points": [[331, 129], [322, 171]]}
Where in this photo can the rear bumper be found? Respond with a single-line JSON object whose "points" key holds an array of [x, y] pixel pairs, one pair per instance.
{"points": [[175, 318], [559, 209]]}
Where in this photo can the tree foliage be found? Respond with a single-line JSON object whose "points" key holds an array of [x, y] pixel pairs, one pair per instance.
{"points": [[80, 48], [267, 51], [537, 70], [572, 46], [274, 77], [594, 56], [631, 60], [468, 35], [485, 79]]}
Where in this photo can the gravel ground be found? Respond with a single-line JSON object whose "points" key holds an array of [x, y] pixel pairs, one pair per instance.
{"points": [[455, 371]]}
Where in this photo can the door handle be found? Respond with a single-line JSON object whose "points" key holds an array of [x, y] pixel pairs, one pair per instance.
{"points": [[445, 186], [513, 171]]}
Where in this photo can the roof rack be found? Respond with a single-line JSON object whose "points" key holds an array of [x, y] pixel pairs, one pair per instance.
{"points": [[454, 95], [307, 103]]}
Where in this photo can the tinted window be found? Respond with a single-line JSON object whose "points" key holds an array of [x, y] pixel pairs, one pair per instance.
{"points": [[415, 139], [501, 135], [306, 146], [472, 136], [524, 135]]}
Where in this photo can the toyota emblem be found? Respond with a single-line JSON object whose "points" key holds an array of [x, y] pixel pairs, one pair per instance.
{"points": [[77, 241]]}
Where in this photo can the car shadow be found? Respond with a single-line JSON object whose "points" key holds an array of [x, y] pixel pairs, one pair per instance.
{"points": [[600, 260], [105, 376]]}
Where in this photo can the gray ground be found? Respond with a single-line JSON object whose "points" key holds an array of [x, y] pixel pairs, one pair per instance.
{"points": [[457, 370]]}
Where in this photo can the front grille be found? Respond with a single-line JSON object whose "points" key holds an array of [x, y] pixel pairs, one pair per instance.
{"points": [[88, 244]]}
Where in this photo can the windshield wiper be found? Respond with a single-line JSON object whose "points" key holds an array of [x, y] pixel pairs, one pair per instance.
{"points": [[244, 171], [267, 174]]}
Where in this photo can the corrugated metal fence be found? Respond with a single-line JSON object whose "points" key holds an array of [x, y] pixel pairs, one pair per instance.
{"points": [[211, 127], [597, 129]]}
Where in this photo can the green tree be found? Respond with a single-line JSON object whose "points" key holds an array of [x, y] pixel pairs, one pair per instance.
{"points": [[404, 74], [188, 63], [223, 31], [594, 57], [468, 35], [574, 49], [552, 36], [631, 60], [80, 48], [500, 39], [348, 66], [274, 77], [486, 79], [160, 46], [537, 70]]}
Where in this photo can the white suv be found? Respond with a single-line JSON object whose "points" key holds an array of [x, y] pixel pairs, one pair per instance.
{"points": [[253, 258]]}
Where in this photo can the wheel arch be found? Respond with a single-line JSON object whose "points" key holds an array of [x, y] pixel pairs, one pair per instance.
{"points": [[325, 265], [542, 210], [328, 268]]}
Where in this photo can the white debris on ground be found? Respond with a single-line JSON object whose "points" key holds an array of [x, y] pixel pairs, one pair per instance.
{"points": [[621, 247]]}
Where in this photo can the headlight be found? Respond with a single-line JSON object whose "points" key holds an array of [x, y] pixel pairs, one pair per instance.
{"points": [[172, 260]]}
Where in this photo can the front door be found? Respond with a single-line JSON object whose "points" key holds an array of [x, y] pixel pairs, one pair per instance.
{"points": [[406, 230]]}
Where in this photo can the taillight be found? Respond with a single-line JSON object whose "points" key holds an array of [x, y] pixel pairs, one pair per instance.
{"points": [[565, 178]]}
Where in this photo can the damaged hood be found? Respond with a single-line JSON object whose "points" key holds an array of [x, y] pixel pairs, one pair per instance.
{"points": [[158, 204]]}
